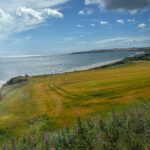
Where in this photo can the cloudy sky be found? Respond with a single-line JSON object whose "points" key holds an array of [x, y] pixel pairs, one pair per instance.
{"points": [[33, 27]]}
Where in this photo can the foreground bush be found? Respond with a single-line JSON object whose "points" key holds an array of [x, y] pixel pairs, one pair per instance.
{"points": [[129, 130]]}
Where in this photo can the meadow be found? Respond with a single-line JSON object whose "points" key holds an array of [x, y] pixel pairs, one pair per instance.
{"points": [[52, 102]]}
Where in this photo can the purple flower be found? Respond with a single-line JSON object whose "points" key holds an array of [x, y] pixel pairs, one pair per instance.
{"points": [[46, 139], [52, 147]]}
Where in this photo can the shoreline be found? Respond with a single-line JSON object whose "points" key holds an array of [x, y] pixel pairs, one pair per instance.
{"points": [[84, 68], [100, 65]]}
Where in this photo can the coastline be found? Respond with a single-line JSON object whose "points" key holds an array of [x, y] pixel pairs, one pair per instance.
{"points": [[93, 66], [84, 68]]}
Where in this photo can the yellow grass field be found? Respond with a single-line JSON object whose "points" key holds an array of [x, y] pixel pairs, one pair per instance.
{"points": [[63, 97]]}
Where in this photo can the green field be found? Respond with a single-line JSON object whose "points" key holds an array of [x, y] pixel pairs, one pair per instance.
{"points": [[65, 96]]}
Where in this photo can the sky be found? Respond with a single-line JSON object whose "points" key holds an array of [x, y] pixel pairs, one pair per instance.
{"points": [[41, 27]]}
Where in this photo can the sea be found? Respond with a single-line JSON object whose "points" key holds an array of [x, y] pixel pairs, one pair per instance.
{"points": [[13, 66]]}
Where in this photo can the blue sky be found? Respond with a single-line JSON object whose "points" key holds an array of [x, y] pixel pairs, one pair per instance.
{"points": [[38, 27]]}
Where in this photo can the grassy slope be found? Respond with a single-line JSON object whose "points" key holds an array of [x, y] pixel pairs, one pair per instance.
{"points": [[127, 130], [63, 97]]}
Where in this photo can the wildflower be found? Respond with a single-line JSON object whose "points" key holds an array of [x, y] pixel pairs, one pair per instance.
{"points": [[45, 138], [98, 136], [52, 147]]}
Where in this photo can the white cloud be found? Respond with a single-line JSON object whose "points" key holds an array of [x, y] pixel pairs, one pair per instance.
{"points": [[133, 12], [24, 15], [103, 22], [88, 2], [124, 41], [112, 40], [131, 20], [92, 24], [11, 6], [120, 21], [53, 13], [6, 24], [69, 38], [142, 26], [86, 11], [5, 18], [28, 18], [82, 12], [80, 26], [28, 37], [28, 12]]}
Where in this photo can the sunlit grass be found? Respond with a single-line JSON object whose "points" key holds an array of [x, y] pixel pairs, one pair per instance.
{"points": [[65, 96]]}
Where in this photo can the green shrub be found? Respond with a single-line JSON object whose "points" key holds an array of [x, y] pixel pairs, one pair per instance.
{"points": [[127, 130]]}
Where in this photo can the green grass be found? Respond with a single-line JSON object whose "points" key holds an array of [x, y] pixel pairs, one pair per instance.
{"points": [[127, 130], [64, 97]]}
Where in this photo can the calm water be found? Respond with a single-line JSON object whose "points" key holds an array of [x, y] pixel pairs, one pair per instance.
{"points": [[38, 65]]}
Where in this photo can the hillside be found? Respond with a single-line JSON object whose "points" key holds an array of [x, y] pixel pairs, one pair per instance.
{"points": [[59, 99], [137, 49]]}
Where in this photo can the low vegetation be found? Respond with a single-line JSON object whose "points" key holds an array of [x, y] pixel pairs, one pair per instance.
{"points": [[129, 130], [17, 80]]}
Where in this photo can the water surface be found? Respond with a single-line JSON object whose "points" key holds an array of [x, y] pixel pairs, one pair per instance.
{"points": [[40, 65]]}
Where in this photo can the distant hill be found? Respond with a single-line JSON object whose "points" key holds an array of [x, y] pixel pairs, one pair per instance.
{"points": [[143, 49]]}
